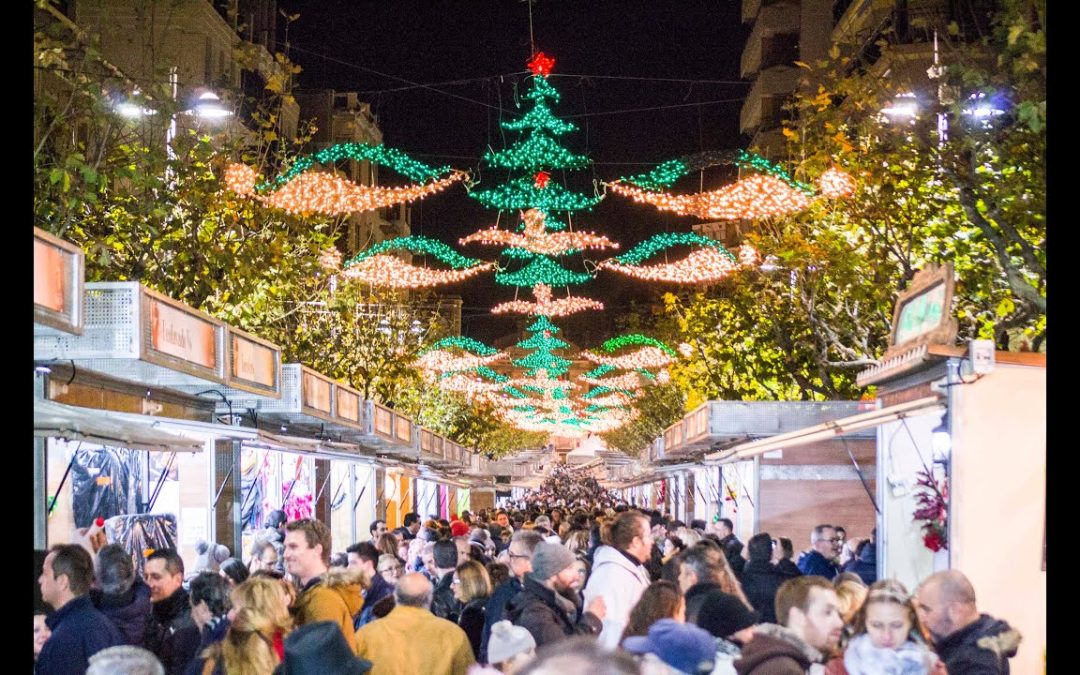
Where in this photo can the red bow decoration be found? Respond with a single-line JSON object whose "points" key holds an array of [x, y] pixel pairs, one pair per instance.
{"points": [[541, 64], [540, 180]]}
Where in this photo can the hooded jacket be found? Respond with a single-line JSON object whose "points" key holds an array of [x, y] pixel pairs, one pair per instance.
{"points": [[548, 616], [129, 611], [335, 596], [775, 650], [760, 581], [621, 584], [984, 647]]}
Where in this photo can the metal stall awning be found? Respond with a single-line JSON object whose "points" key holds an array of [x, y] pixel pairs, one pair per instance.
{"points": [[827, 430], [136, 334], [72, 423]]}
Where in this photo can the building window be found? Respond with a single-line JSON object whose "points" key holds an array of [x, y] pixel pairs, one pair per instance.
{"points": [[779, 50]]}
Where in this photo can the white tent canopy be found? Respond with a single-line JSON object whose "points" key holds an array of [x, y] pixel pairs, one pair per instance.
{"points": [[72, 423]]}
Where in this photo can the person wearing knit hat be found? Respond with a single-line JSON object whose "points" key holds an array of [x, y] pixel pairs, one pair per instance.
{"points": [[548, 604], [730, 621], [683, 646], [510, 647]]}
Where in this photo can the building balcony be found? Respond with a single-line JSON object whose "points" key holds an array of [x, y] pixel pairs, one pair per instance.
{"points": [[774, 20], [762, 106], [861, 20]]}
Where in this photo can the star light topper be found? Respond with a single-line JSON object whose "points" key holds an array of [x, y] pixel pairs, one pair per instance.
{"points": [[541, 64]]}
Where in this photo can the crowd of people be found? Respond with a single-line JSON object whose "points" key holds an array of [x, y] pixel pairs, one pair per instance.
{"points": [[537, 590]]}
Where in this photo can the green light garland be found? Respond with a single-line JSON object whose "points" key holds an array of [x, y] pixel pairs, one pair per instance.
{"points": [[600, 391], [521, 194], [538, 341], [382, 155], [541, 117], [661, 177], [461, 342], [542, 270], [600, 371], [490, 374], [537, 152], [514, 392], [759, 163], [554, 365], [616, 343], [542, 89], [417, 244], [665, 240], [543, 324]]}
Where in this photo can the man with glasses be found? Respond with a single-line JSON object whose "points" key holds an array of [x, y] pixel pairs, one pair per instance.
{"points": [[519, 554], [824, 546]]}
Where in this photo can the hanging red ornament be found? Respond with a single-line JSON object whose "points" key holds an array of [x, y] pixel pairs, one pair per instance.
{"points": [[540, 180], [541, 64]]}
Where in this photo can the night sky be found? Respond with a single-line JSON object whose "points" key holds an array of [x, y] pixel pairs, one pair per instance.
{"points": [[679, 55]]}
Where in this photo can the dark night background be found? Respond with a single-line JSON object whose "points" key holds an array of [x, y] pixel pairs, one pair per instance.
{"points": [[609, 56]]}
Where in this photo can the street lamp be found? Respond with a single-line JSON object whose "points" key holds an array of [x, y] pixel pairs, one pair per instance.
{"points": [[208, 106]]}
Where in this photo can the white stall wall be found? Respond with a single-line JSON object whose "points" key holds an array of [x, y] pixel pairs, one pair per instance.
{"points": [[901, 453], [998, 508], [363, 496]]}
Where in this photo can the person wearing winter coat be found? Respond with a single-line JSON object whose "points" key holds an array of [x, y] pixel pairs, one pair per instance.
{"points": [[887, 637], [543, 607], [123, 598], [967, 641], [444, 605], [78, 630], [810, 627], [210, 606], [174, 640], [730, 622], [760, 578], [325, 594], [782, 555], [410, 639], [617, 572], [472, 588], [824, 547], [520, 552], [865, 561]]}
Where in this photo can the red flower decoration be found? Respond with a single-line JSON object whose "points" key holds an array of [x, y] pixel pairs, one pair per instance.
{"points": [[540, 180], [541, 64]]}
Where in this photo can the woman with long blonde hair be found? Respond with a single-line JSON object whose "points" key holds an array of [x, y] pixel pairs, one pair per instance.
{"points": [[254, 644]]}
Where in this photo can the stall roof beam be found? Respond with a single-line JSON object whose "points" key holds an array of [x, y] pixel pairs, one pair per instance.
{"points": [[72, 423], [832, 429]]}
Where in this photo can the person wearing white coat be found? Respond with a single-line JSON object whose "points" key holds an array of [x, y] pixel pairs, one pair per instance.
{"points": [[618, 575]]}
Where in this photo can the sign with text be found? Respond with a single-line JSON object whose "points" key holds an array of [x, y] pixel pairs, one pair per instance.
{"points": [[923, 312], [253, 362], [315, 392], [183, 335]]}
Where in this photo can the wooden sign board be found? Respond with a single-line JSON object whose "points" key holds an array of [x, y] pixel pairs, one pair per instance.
{"points": [[316, 391], [58, 283], [254, 364], [182, 338], [923, 312]]}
